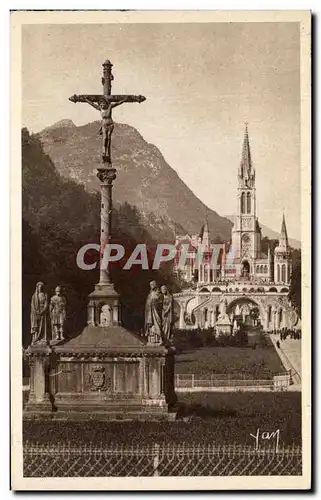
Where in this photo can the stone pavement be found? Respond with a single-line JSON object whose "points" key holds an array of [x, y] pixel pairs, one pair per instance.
{"points": [[290, 355]]}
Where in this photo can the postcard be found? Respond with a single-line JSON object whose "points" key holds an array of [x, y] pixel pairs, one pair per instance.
{"points": [[160, 250]]}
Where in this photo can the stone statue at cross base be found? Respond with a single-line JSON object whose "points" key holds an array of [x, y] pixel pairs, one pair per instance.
{"points": [[39, 315], [153, 314], [57, 315], [167, 314]]}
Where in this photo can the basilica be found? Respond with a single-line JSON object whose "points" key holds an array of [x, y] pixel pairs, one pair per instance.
{"points": [[253, 284]]}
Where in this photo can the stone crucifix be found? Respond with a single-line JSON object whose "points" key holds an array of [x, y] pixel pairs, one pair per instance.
{"points": [[105, 103], [106, 174]]}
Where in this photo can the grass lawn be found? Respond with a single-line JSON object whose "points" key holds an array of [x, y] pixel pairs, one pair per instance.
{"points": [[213, 418], [259, 363]]}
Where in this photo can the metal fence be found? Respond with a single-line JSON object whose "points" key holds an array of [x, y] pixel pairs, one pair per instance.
{"points": [[66, 460], [192, 381]]}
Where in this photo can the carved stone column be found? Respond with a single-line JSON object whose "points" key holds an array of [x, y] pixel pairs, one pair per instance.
{"points": [[91, 313], [104, 293], [106, 177], [182, 306], [154, 380], [169, 378], [39, 401], [142, 380]]}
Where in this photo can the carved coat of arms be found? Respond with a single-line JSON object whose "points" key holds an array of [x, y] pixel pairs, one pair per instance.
{"points": [[98, 379]]}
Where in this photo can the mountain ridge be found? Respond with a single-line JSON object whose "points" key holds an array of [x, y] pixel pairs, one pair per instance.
{"points": [[167, 206], [144, 179]]}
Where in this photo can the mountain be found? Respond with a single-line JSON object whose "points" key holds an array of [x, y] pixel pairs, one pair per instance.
{"points": [[269, 233], [61, 124], [144, 179]]}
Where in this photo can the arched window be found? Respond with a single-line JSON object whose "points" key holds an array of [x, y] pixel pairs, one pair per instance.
{"points": [[243, 203], [261, 269], [281, 316], [283, 273], [248, 196], [257, 269], [284, 290], [278, 273], [265, 269], [273, 289]]}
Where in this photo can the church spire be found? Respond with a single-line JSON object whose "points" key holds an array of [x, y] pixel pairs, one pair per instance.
{"points": [[282, 257], [206, 221], [204, 236], [246, 161], [283, 241], [246, 171], [206, 233]]}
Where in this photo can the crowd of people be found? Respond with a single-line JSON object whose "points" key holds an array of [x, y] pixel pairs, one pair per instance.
{"points": [[284, 333]]}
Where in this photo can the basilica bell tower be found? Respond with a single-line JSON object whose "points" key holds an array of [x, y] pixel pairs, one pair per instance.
{"points": [[246, 234]]}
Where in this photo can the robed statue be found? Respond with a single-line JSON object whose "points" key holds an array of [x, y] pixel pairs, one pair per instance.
{"points": [[39, 314], [223, 306], [167, 313], [153, 314], [223, 317], [58, 315]]}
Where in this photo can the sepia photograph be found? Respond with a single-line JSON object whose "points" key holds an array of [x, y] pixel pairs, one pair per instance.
{"points": [[160, 213]]}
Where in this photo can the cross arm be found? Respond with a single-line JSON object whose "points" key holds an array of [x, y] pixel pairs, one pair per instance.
{"points": [[126, 98], [96, 98]]}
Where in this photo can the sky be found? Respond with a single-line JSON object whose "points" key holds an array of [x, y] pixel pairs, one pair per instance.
{"points": [[202, 82]]}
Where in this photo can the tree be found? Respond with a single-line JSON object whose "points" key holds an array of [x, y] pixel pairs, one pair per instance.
{"points": [[266, 243], [295, 283]]}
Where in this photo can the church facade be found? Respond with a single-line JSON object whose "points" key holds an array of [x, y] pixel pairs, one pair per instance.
{"points": [[254, 284]]}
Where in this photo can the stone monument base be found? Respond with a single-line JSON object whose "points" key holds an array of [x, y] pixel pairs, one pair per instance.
{"points": [[34, 407], [105, 373], [129, 410]]}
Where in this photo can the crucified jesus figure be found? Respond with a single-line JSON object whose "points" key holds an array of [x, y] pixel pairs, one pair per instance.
{"points": [[107, 125], [105, 103]]}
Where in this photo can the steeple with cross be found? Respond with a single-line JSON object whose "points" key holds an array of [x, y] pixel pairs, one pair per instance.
{"points": [[246, 236]]}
